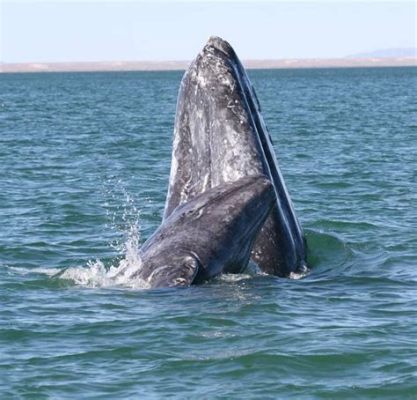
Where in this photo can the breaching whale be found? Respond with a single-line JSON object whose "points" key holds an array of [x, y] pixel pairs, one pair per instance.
{"points": [[212, 233], [219, 137]]}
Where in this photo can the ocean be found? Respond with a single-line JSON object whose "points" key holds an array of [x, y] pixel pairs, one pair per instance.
{"points": [[84, 167]]}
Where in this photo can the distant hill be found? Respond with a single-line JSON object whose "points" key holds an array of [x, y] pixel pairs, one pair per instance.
{"points": [[387, 53], [347, 62]]}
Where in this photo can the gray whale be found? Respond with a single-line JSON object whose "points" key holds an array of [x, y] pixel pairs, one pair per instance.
{"points": [[212, 233], [219, 137]]}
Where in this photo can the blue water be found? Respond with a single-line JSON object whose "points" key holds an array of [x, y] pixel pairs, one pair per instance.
{"points": [[84, 164]]}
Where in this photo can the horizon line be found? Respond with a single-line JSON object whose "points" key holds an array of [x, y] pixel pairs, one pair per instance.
{"points": [[178, 65]]}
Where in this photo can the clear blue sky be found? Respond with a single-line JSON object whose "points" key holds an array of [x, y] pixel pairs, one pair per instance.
{"points": [[34, 31]]}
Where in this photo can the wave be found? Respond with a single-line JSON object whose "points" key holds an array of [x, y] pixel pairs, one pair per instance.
{"points": [[327, 253]]}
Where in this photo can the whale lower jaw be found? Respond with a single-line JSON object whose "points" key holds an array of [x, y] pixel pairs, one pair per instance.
{"points": [[212, 233]]}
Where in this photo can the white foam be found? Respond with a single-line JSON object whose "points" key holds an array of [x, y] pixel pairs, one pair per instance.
{"points": [[95, 274], [300, 273], [40, 270], [233, 277]]}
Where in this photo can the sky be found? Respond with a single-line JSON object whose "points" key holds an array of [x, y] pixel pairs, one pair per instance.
{"points": [[71, 31]]}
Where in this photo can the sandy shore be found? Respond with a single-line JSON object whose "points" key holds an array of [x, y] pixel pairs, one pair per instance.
{"points": [[181, 65]]}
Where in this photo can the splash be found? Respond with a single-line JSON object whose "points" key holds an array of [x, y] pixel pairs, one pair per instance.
{"points": [[124, 274], [299, 274], [231, 278], [124, 217]]}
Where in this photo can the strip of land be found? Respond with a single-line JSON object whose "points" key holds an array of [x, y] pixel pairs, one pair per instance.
{"points": [[182, 65]]}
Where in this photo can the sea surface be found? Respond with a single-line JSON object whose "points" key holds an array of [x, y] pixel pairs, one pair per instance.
{"points": [[84, 165]]}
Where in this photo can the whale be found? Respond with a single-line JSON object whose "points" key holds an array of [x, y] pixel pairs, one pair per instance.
{"points": [[221, 137], [210, 234]]}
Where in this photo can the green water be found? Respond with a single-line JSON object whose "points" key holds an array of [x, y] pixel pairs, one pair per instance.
{"points": [[84, 164]]}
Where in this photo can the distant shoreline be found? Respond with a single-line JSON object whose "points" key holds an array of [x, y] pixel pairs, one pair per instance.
{"points": [[182, 65]]}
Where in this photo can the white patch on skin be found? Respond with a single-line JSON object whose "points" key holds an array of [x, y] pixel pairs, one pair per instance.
{"points": [[200, 114], [174, 162], [184, 193], [180, 281], [206, 183], [230, 104], [199, 214], [201, 81], [155, 272], [174, 168]]}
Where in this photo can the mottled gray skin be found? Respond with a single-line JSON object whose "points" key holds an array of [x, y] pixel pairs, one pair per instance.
{"points": [[212, 233], [220, 136]]}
